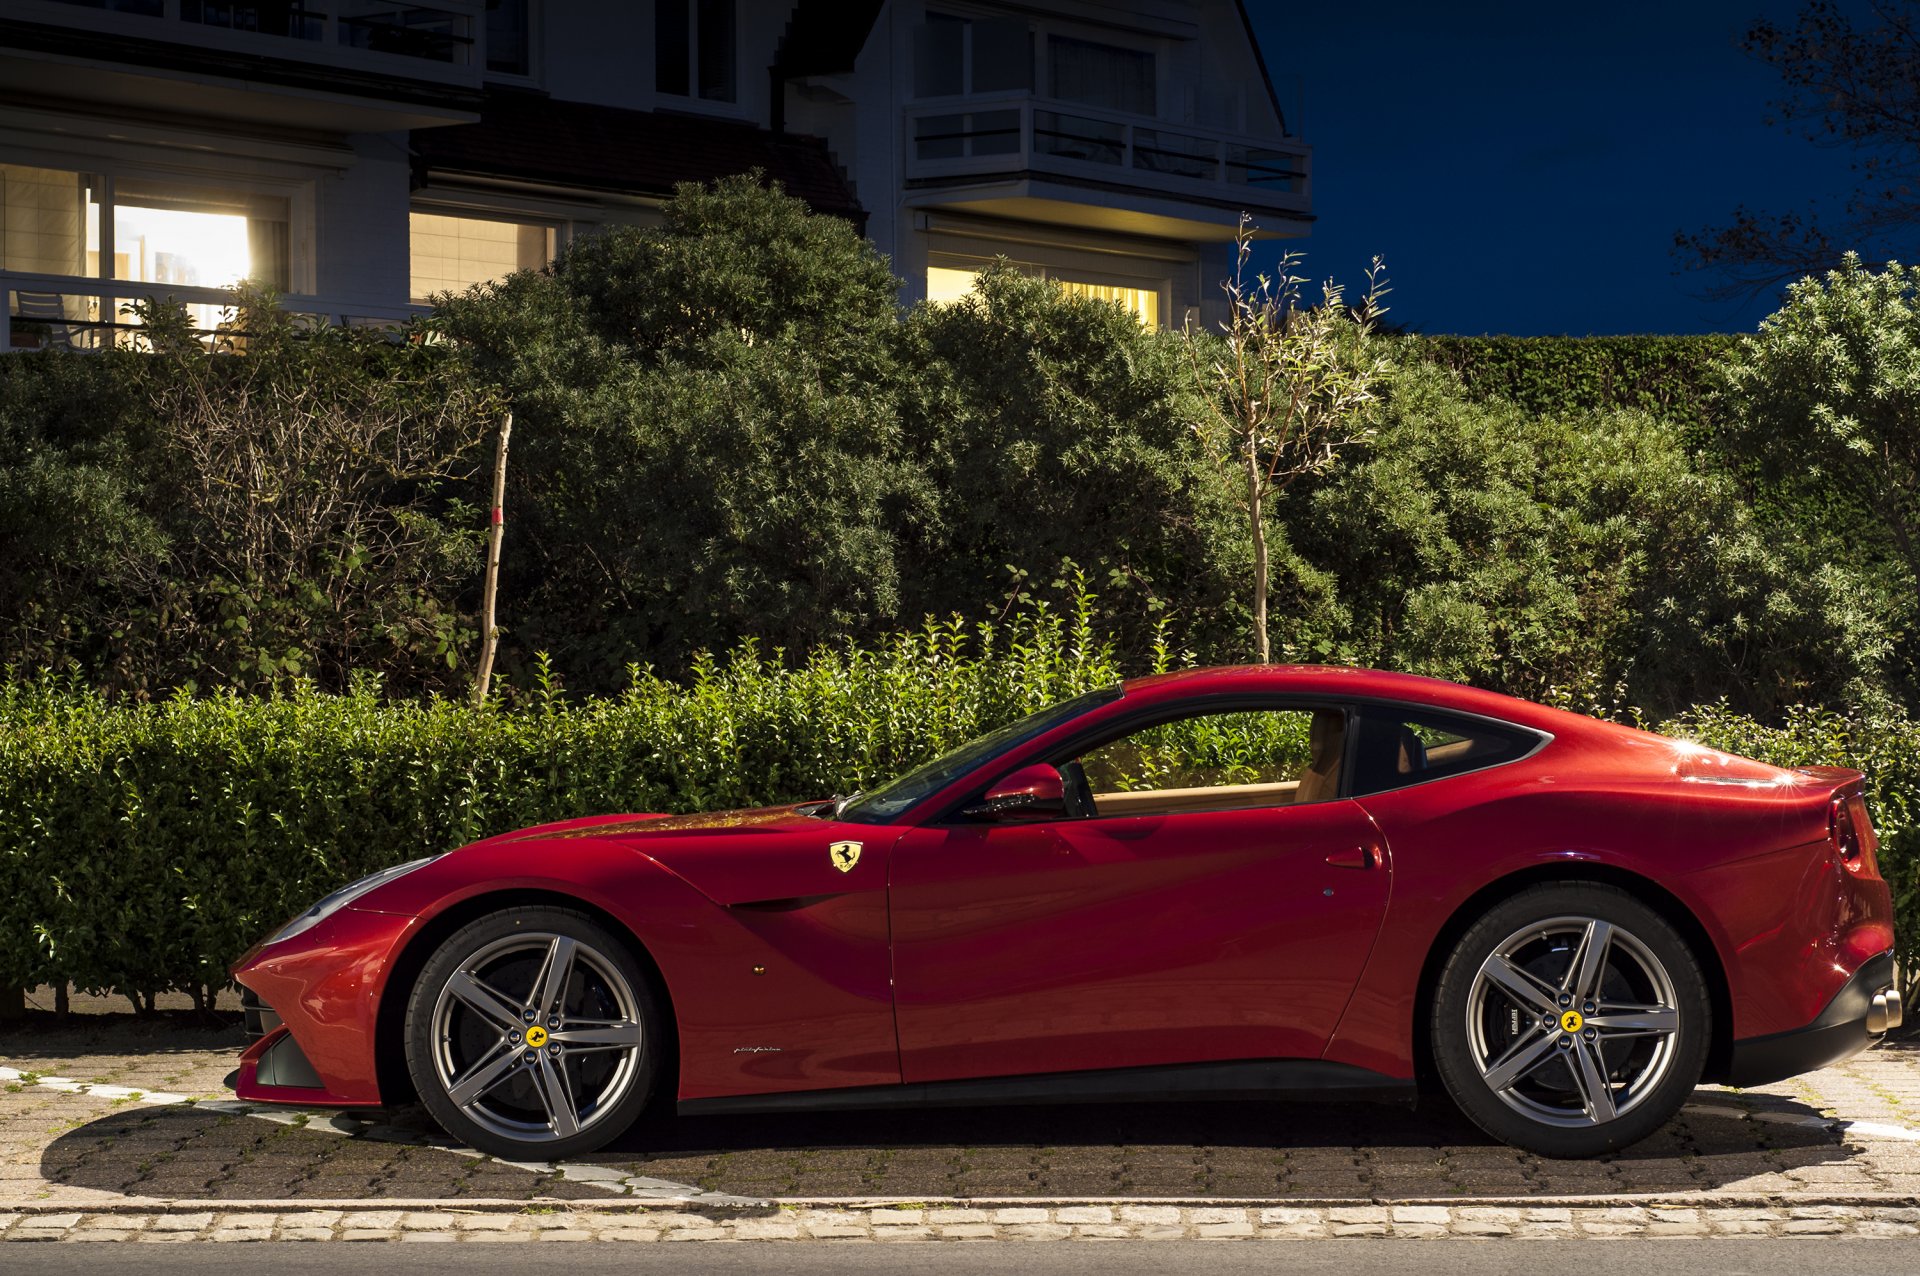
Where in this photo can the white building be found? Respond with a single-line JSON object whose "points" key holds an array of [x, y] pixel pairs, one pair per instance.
{"points": [[361, 155]]}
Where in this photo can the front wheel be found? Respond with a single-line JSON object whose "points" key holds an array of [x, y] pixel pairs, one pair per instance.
{"points": [[1571, 1020], [531, 1034]]}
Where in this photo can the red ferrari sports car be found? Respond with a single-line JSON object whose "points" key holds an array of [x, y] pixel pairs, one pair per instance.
{"points": [[1248, 883]]}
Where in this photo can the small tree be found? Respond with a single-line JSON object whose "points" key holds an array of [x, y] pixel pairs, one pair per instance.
{"points": [[1825, 399], [1286, 387]]}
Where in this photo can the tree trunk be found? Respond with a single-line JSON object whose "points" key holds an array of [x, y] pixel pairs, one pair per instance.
{"points": [[1257, 523], [489, 631]]}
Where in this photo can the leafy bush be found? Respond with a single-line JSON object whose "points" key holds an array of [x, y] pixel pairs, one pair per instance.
{"points": [[1669, 377], [1819, 409], [145, 846], [1552, 554], [1054, 429], [286, 505], [706, 443]]}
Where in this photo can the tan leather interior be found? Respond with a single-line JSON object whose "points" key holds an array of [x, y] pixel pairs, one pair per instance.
{"points": [[1326, 744], [1213, 797]]}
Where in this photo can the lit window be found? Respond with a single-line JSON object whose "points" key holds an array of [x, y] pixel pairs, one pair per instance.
{"points": [[452, 254], [948, 284], [42, 220], [92, 227], [1143, 302]]}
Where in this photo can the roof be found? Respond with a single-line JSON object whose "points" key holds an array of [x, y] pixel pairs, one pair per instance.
{"points": [[535, 138]]}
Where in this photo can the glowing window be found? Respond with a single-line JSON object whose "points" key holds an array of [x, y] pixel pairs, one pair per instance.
{"points": [[948, 284], [452, 254]]}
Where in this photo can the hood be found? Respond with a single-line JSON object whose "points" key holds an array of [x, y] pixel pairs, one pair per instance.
{"points": [[757, 856]]}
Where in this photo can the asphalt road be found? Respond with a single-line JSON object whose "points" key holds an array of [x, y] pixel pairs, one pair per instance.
{"points": [[1175, 1258]]}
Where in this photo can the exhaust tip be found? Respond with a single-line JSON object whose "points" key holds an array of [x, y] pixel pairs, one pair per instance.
{"points": [[1896, 1011], [1877, 1015]]}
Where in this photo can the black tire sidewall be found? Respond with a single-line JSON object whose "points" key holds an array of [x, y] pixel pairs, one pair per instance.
{"points": [[1452, 1055], [452, 953]]}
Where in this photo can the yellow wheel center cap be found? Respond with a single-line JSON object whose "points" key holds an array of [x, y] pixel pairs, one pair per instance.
{"points": [[537, 1036], [1572, 1021]]}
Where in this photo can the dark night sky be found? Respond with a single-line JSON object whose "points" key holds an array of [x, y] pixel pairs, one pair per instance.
{"points": [[1523, 167]]}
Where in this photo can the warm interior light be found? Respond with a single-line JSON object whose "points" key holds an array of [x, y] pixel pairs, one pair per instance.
{"points": [[176, 246]]}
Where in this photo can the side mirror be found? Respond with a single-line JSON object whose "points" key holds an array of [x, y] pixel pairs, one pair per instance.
{"points": [[1031, 793]]}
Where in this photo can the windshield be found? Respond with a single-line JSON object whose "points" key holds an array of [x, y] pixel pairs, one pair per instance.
{"points": [[895, 796]]}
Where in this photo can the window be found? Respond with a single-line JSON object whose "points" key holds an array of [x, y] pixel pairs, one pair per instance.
{"points": [[950, 278], [1399, 746], [508, 37], [1102, 75], [956, 56], [452, 254], [1217, 762], [694, 49], [93, 226]]}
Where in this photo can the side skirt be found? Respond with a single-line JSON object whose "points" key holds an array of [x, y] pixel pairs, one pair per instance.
{"points": [[1254, 1080]]}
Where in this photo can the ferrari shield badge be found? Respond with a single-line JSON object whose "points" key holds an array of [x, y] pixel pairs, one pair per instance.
{"points": [[844, 855]]}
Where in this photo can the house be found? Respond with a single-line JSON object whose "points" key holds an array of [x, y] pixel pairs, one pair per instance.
{"points": [[362, 155]]}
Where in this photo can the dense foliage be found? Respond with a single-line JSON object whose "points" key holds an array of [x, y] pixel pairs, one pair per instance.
{"points": [[145, 846], [237, 519], [1573, 555], [1822, 412], [726, 430], [1668, 377]]}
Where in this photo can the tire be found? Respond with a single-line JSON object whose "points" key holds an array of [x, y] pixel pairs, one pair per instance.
{"points": [[519, 1065], [1521, 977]]}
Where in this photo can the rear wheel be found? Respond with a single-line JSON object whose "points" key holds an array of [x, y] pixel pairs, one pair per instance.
{"points": [[1571, 1020], [530, 1034]]}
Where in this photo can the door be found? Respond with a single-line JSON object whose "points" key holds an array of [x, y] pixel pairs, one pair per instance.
{"points": [[1217, 903]]}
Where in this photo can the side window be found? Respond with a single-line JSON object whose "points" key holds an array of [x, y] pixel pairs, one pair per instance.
{"points": [[1402, 746], [1216, 762]]}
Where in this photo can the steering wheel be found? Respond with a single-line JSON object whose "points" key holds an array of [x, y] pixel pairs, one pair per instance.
{"points": [[1076, 793]]}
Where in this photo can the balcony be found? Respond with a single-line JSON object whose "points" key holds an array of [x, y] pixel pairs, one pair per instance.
{"points": [[420, 63], [62, 312], [978, 147]]}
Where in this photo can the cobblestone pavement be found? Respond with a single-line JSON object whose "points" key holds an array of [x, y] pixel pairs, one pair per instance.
{"points": [[917, 1222], [63, 1149]]}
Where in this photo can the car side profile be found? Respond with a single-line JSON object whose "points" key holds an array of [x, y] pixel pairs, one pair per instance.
{"points": [[1246, 883]]}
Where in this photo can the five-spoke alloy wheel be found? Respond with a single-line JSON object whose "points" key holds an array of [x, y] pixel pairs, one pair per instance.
{"points": [[530, 1034], [1571, 1020]]}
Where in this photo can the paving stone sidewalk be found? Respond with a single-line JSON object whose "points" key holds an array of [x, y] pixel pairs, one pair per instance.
{"points": [[434, 1222]]}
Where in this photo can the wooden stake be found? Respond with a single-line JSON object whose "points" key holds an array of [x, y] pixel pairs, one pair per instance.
{"points": [[489, 631]]}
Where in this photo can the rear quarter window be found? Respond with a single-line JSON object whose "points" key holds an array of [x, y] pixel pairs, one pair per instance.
{"points": [[1398, 746]]}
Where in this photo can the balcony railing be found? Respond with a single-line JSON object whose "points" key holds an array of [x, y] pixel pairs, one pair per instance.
{"points": [[62, 312], [439, 40], [986, 135]]}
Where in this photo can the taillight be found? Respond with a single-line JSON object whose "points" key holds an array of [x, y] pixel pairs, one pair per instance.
{"points": [[1851, 829]]}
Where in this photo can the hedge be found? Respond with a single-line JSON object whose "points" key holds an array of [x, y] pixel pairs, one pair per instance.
{"points": [[144, 846], [1667, 376]]}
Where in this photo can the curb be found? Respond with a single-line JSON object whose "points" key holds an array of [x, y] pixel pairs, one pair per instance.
{"points": [[689, 1205]]}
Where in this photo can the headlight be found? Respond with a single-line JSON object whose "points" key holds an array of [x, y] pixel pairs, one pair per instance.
{"points": [[333, 903]]}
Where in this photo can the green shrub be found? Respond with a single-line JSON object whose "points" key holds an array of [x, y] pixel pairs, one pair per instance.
{"points": [[145, 846], [1669, 377], [1569, 552]]}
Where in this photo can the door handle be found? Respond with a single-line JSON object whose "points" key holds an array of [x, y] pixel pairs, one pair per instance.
{"points": [[1355, 857]]}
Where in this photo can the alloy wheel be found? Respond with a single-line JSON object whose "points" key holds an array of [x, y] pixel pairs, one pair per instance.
{"points": [[1572, 1021], [536, 1037]]}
